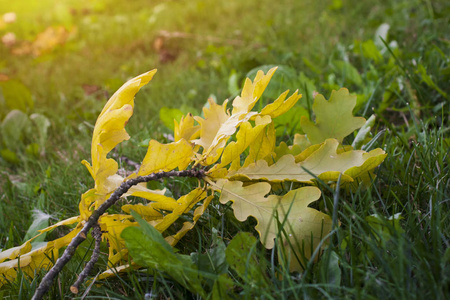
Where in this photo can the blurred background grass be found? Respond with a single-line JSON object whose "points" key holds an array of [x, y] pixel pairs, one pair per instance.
{"points": [[63, 59]]}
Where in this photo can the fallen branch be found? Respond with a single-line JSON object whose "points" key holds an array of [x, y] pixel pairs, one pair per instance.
{"points": [[93, 220], [97, 235]]}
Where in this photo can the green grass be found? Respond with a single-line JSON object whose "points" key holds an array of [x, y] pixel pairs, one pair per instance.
{"points": [[406, 87]]}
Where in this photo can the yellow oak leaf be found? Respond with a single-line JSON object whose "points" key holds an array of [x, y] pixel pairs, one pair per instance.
{"points": [[185, 204], [298, 148], [25, 248], [263, 146], [166, 157], [372, 160], [186, 129], [307, 152], [217, 127], [245, 136], [198, 212], [109, 130], [151, 211], [252, 91], [324, 163], [365, 172], [151, 195], [301, 141], [91, 199], [86, 201], [66, 222], [31, 260], [244, 199], [14, 252], [113, 271], [300, 221], [112, 226], [279, 106], [173, 239], [215, 116], [283, 149], [8, 269], [118, 257], [139, 190], [146, 211], [334, 118], [125, 94], [227, 129]]}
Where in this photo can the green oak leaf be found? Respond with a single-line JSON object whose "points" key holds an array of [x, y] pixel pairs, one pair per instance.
{"points": [[148, 248], [242, 258], [14, 128], [334, 118]]}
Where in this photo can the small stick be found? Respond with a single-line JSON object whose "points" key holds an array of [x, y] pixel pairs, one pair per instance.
{"points": [[93, 219], [97, 235]]}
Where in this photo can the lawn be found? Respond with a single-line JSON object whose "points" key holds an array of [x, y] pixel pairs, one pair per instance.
{"points": [[60, 61]]}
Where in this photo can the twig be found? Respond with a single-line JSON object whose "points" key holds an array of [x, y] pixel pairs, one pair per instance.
{"points": [[97, 235], [93, 219]]}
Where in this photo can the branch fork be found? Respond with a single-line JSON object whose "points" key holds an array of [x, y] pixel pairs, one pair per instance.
{"points": [[92, 222]]}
